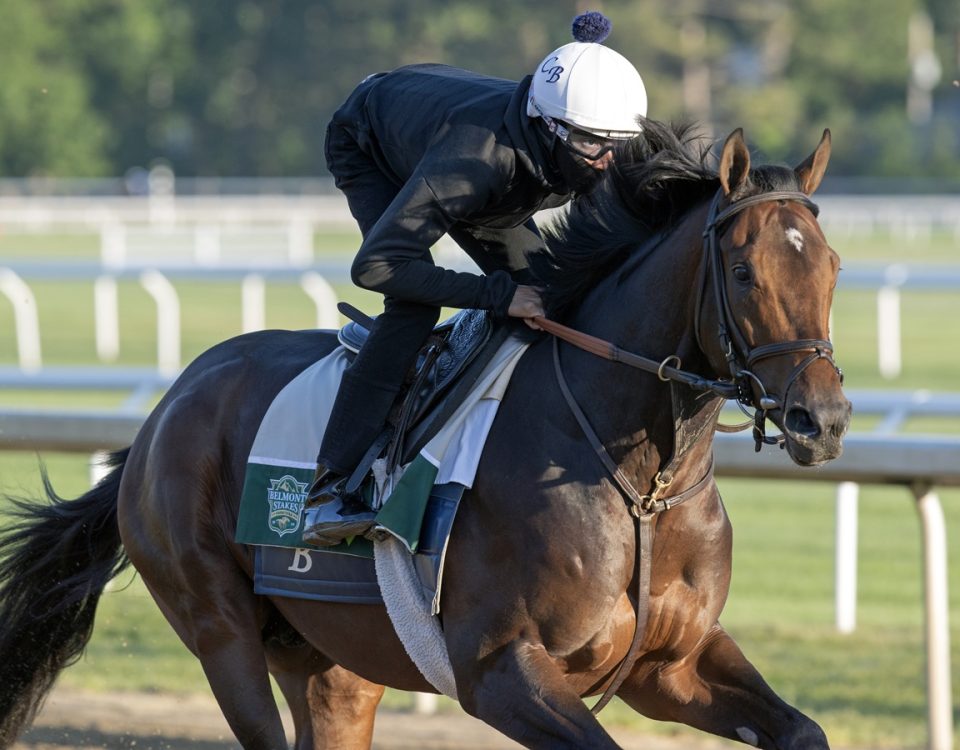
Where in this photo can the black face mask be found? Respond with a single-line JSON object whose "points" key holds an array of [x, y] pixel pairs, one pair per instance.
{"points": [[577, 173]]}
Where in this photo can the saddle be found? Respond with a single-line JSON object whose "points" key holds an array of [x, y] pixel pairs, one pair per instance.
{"points": [[446, 369]]}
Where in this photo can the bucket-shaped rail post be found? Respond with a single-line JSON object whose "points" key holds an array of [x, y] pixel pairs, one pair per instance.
{"points": [[940, 709], [324, 298], [26, 319], [425, 704], [106, 314], [253, 295], [845, 591], [888, 321], [168, 320], [300, 242]]}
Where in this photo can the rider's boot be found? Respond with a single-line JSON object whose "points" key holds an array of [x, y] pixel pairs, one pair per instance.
{"points": [[339, 514], [367, 391], [359, 414]]}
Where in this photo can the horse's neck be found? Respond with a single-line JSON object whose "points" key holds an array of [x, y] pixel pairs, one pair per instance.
{"points": [[651, 305], [650, 311]]}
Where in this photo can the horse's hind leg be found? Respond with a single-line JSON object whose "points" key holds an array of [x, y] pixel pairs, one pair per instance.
{"points": [[715, 688], [331, 707], [221, 627], [205, 596]]}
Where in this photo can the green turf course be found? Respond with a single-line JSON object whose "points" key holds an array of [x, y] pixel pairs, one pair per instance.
{"points": [[866, 689]]}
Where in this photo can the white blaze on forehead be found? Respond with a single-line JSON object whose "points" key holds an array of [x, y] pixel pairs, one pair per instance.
{"points": [[795, 238]]}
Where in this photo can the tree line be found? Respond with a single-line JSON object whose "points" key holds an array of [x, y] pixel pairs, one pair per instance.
{"points": [[246, 87]]}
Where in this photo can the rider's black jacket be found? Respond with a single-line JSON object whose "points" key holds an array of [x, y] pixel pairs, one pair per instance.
{"points": [[467, 161]]}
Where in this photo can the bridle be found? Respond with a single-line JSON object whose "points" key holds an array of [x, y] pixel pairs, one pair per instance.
{"points": [[740, 357], [738, 353]]}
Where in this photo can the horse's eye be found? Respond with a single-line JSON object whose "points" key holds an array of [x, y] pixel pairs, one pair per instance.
{"points": [[742, 273]]}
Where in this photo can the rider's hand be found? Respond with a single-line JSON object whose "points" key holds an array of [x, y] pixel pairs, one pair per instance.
{"points": [[526, 304]]}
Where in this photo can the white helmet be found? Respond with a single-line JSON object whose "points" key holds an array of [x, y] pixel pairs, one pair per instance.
{"points": [[588, 85]]}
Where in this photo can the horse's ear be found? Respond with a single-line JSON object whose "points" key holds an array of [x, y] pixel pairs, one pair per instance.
{"points": [[734, 163], [810, 172]]}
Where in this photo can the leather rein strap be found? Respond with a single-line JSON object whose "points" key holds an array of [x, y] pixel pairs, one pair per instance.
{"points": [[664, 370]]}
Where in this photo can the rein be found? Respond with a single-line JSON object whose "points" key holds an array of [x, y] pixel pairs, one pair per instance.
{"points": [[663, 370], [739, 355]]}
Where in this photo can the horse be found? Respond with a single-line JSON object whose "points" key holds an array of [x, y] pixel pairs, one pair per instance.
{"points": [[551, 592]]}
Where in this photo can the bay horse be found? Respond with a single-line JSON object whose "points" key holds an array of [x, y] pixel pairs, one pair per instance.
{"points": [[546, 585]]}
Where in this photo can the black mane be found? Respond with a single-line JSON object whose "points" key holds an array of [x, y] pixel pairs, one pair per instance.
{"points": [[658, 177]]}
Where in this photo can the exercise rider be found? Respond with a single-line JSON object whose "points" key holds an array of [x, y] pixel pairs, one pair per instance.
{"points": [[428, 150]]}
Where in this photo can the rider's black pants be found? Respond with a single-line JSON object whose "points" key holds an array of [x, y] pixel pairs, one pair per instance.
{"points": [[374, 378], [372, 382]]}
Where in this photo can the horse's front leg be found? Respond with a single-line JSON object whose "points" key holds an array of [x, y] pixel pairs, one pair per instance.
{"points": [[715, 688], [518, 689]]}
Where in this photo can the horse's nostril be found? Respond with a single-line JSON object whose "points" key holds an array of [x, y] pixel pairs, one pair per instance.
{"points": [[799, 422]]}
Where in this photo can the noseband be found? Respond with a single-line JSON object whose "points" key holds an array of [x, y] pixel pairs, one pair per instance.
{"points": [[740, 356]]}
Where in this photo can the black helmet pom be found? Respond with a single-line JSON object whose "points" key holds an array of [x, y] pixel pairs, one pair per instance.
{"points": [[591, 26]]}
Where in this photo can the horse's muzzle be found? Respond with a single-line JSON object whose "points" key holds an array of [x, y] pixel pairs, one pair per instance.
{"points": [[814, 432]]}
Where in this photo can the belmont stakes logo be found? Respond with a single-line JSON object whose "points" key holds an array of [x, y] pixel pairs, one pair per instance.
{"points": [[285, 497]]}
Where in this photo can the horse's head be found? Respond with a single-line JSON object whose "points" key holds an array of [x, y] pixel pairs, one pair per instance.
{"points": [[773, 303]]}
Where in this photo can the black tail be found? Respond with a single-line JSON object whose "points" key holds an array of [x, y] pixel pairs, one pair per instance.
{"points": [[55, 560]]}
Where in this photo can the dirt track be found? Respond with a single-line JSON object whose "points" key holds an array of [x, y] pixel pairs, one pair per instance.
{"points": [[115, 721]]}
